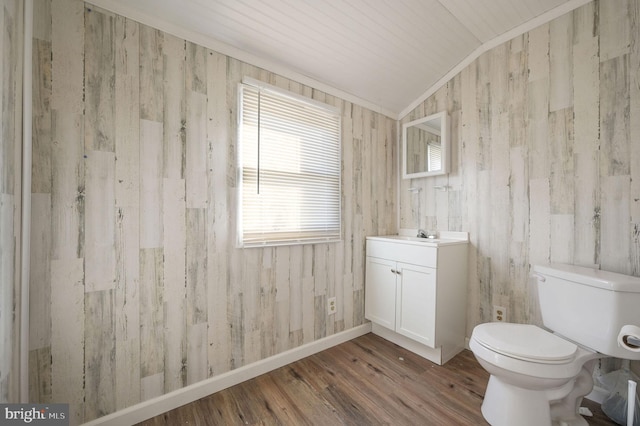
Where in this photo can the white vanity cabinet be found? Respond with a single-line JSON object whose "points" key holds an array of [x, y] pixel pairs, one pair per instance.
{"points": [[404, 283], [415, 293]]}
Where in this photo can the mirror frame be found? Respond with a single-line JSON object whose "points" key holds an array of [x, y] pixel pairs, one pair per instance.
{"points": [[444, 137]]}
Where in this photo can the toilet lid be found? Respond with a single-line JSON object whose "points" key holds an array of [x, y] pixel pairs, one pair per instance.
{"points": [[524, 341]]}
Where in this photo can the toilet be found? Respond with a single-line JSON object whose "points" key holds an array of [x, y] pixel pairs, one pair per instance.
{"points": [[539, 376]]}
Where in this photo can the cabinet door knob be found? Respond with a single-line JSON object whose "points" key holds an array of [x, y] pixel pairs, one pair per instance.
{"points": [[394, 271]]}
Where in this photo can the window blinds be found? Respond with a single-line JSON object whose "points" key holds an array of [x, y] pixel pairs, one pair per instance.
{"points": [[434, 156], [290, 168]]}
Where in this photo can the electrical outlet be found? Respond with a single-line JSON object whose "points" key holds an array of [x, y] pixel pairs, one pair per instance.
{"points": [[499, 313], [331, 306]]}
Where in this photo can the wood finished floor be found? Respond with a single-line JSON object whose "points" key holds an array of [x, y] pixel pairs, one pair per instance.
{"points": [[366, 381]]}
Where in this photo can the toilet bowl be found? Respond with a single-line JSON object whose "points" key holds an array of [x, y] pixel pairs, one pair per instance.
{"points": [[538, 377], [531, 371]]}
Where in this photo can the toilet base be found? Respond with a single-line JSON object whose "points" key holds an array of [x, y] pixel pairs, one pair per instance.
{"points": [[508, 405]]}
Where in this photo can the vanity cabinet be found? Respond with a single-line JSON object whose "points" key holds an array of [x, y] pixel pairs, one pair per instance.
{"points": [[412, 287], [415, 294]]}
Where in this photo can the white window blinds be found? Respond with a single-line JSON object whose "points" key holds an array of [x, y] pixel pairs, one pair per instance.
{"points": [[434, 156], [289, 168]]}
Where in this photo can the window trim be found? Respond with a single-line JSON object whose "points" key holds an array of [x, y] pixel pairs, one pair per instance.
{"points": [[248, 81]]}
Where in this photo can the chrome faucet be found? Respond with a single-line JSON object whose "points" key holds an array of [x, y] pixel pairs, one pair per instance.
{"points": [[427, 234]]}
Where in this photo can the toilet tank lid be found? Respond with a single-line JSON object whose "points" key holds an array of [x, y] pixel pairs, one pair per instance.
{"points": [[605, 280]]}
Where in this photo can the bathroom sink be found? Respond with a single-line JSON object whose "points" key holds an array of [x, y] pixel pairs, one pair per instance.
{"points": [[417, 239], [446, 238]]}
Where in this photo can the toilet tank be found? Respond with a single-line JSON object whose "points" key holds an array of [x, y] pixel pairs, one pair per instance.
{"points": [[589, 306]]}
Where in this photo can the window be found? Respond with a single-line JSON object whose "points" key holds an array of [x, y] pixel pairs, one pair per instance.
{"points": [[289, 154], [434, 155]]}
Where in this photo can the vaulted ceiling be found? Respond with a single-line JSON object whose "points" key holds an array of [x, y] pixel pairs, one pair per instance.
{"points": [[387, 55]]}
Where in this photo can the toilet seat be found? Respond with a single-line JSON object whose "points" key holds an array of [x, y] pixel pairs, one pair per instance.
{"points": [[525, 342]]}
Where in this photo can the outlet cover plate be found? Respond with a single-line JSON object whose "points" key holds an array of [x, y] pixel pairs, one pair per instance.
{"points": [[331, 306]]}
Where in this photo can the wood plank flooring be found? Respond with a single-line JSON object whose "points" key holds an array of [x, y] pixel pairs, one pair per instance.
{"points": [[366, 381]]}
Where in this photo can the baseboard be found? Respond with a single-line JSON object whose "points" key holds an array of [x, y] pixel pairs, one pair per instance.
{"points": [[433, 355], [156, 406]]}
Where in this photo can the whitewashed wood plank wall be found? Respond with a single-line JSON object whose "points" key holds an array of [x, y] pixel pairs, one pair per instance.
{"points": [[134, 265], [11, 37], [546, 142], [139, 287]]}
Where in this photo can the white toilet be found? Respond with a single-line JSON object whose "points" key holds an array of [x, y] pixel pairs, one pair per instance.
{"points": [[539, 378]]}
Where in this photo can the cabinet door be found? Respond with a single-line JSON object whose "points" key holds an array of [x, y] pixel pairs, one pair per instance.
{"points": [[416, 303], [380, 292]]}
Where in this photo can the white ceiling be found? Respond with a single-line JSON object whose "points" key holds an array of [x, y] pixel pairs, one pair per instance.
{"points": [[387, 55]]}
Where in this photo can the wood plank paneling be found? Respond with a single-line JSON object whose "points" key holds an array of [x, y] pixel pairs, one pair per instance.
{"points": [[280, 298], [41, 145], [538, 53], [8, 85], [151, 386], [614, 27], [175, 288], [539, 178], [100, 234], [127, 113], [219, 237], [175, 122], [562, 240], [571, 191], [143, 194], [634, 108], [615, 224], [561, 161], [40, 276], [614, 116], [196, 256], [152, 309], [127, 307], [586, 75], [58, 210], [561, 63], [151, 74], [634, 135], [68, 186], [151, 166], [538, 128], [11, 42], [68, 52], [127, 213], [42, 21], [40, 376], [196, 149], [99, 78], [7, 279], [196, 65], [196, 360], [99, 354], [501, 211]]}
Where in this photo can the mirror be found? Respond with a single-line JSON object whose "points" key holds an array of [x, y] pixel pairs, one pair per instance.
{"points": [[425, 146]]}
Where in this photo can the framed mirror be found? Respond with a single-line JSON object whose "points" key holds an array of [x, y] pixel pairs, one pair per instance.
{"points": [[425, 146]]}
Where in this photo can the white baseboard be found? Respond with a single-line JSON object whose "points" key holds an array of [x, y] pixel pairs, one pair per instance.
{"points": [[156, 406], [433, 355]]}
